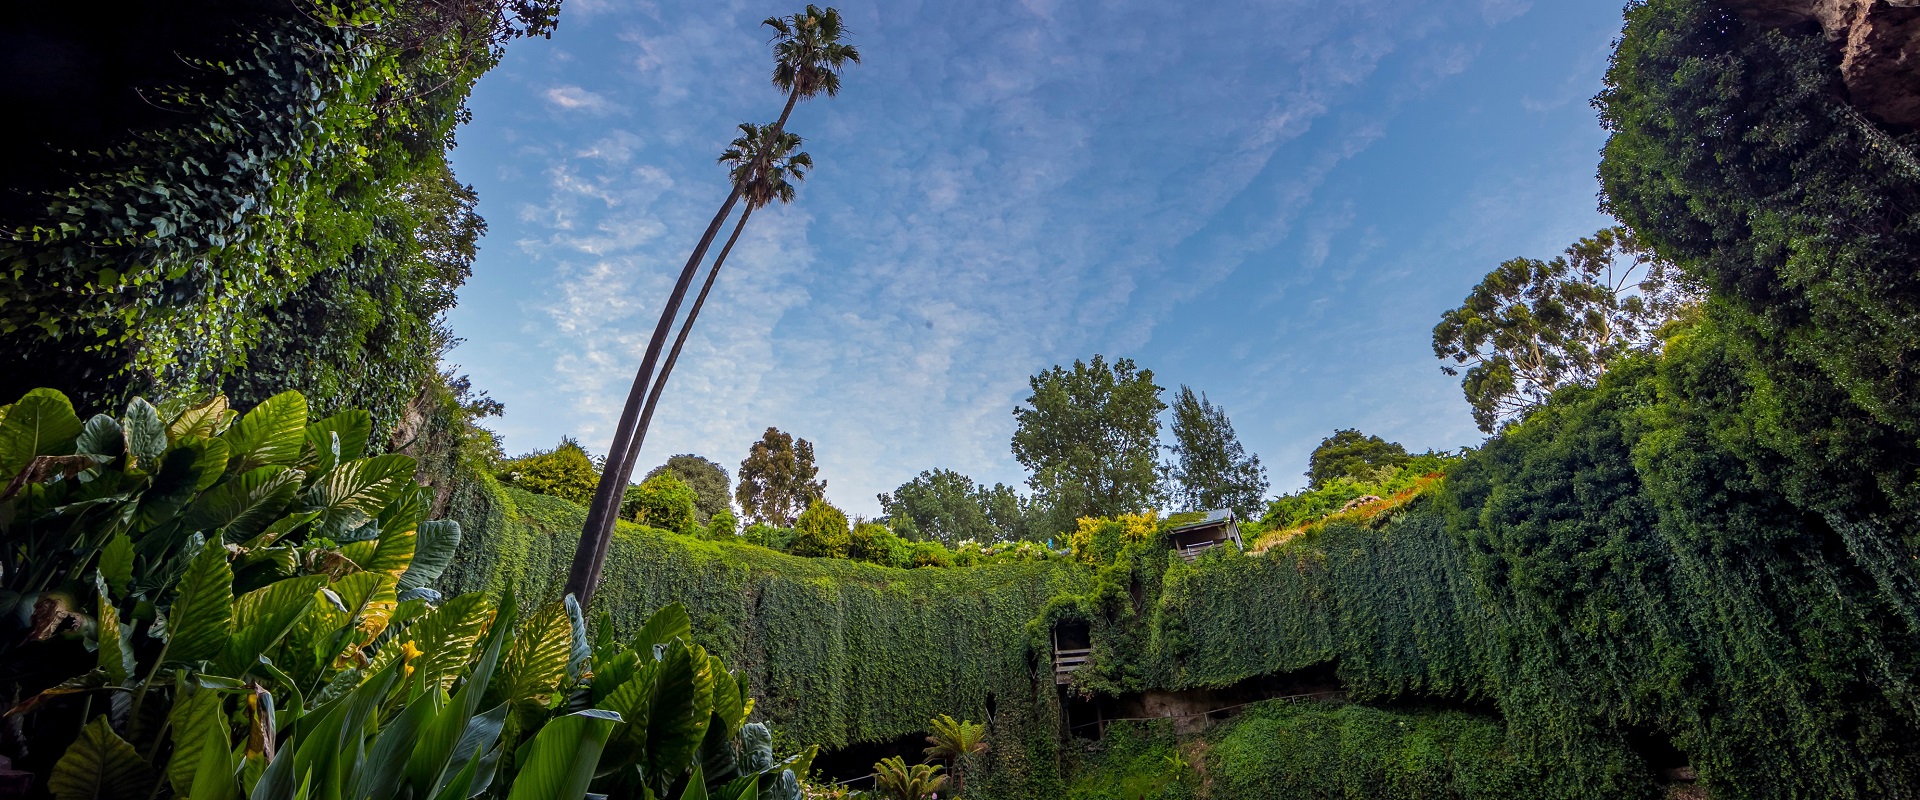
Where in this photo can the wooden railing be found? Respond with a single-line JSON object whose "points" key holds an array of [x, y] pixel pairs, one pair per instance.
{"points": [[1190, 552], [1066, 661]]}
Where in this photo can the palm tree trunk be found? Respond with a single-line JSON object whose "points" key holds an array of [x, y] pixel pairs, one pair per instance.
{"points": [[590, 556], [693, 313]]}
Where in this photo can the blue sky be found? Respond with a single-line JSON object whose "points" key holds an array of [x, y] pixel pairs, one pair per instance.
{"points": [[1272, 202]]}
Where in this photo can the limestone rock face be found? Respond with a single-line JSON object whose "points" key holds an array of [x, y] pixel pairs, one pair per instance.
{"points": [[1879, 43]]}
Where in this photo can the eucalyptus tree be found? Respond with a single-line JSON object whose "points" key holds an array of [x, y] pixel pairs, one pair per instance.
{"points": [[808, 58]]}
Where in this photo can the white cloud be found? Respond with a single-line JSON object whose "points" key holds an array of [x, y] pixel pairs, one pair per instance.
{"points": [[574, 98]]}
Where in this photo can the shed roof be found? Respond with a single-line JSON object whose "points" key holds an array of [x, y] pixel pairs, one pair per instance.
{"points": [[1213, 519]]}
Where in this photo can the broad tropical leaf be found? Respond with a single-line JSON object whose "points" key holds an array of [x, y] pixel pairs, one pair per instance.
{"points": [[102, 438], [116, 562], [392, 554], [245, 505], [434, 546], [664, 626], [407, 511], [100, 766], [456, 729], [201, 617], [350, 494], [633, 701], [146, 434], [116, 649], [353, 427], [371, 600], [446, 637], [272, 433], [682, 708], [378, 776], [262, 617], [184, 471], [195, 712], [41, 424], [536, 663], [563, 756], [203, 420]]}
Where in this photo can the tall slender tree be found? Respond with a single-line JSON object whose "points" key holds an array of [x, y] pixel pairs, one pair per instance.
{"points": [[761, 161], [808, 58]]}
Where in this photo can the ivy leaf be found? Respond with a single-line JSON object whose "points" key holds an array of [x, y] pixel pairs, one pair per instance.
{"points": [[435, 544], [201, 618], [146, 433], [272, 433], [41, 424], [100, 766]]}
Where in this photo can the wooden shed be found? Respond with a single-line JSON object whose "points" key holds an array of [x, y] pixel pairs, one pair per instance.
{"points": [[1219, 528]]}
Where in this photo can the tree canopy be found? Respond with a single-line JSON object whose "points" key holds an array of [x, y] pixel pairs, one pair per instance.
{"points": [[1090, 436], [708, 480], [778, 479], [1211, 470], [1355, 456], [948, 507]]}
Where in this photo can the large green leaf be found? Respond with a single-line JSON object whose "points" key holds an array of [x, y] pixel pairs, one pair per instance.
{"points": [[407, 511], [201, 617], [182, 473], [272, 433], [195, 713], [446, 637], [348, 495], [378, 776], [263, 616], [102, 438], [353, 427], [146, 434], [204, 420], [41, 424], [456, 729], [116, 649], [664, 626], [100, 766], [633, 701], [563, 756], [435, 544], [536, 664], [217, 771], [681, 710], [116, 562], [245, 505], [392, 554]]}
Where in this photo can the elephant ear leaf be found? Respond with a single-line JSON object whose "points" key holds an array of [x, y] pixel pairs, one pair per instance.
{"points": [[348, 495], [100, 766], [392, 553], [246, 505], [116, 562], [41, 424], [272, 433], [198, 721], [353, 427], [666, 625], [185, 471], [146, 434], [262, 617], [446, 638], [434, 545], [682, 709], [102, 438], [203, 420], [201, 618], [562, 758], [535, 665]]}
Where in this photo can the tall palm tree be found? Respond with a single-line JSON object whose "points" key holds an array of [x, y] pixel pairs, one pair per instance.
{"points": [[808, 58], [762, 162], [956, 742]]}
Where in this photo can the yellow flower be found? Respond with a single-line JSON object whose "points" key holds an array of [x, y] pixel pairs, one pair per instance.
{"points": [[407, 653]]}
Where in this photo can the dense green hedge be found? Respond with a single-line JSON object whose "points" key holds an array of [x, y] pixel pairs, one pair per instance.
{"points": [[837, 652], [1307, 751]]}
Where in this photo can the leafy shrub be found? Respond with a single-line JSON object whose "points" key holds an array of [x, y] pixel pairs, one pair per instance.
{"points": [[722, 525], [821, 532], [1098, 540], [566, 472], [663, 502], [874, 543]]}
